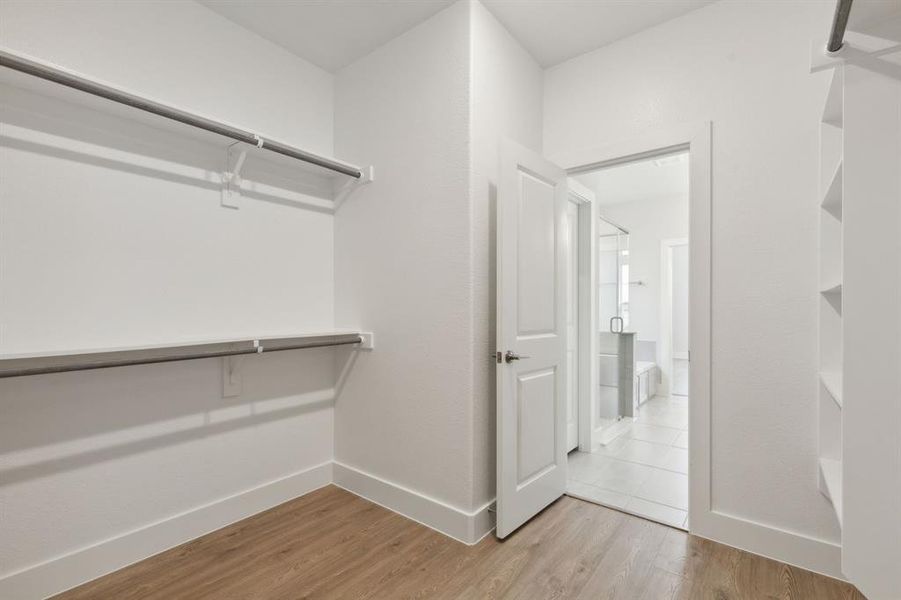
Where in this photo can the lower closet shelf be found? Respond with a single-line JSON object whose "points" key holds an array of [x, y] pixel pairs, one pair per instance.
{"points": [[19, 365]]}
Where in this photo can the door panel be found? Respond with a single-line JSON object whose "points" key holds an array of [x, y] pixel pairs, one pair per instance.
{"points": [[531, 296], [537, 262], [535, 402]]}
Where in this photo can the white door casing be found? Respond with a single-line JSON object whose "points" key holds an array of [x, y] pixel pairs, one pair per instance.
{"points": [[587, 317], [531, 323], [665, 354], [696, 138], [572, 322]]}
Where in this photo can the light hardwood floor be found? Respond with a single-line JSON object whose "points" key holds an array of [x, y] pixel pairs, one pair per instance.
{"points": [[332, 544]]}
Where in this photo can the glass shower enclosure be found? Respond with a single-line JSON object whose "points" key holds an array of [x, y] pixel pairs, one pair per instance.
{"points": [[616, 348]]}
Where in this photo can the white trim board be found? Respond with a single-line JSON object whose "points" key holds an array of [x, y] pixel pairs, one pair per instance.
{"points": [[785, 546], [665, 353], [586, 320], [78, 567], [81, 566], [466, 527]]}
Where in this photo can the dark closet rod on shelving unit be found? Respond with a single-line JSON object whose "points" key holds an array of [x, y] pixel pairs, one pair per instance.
{"points": [[61, 76], [839, 24], [60, 363]]}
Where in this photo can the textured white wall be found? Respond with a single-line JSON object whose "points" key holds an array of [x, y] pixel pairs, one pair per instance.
{"points": [[111, 233], [507, 89], [402, 261], [415, 252], [764, 106], [128, 229]]}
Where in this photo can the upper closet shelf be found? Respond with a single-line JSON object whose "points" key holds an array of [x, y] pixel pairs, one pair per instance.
{"points": [[18, 365], [31, 73], [832, 110]]}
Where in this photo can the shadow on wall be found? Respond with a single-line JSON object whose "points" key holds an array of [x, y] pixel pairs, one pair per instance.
{"points": [[485, 416], [873, 62], [55, 423], [59, 422], [150, 146], [870, 52]]}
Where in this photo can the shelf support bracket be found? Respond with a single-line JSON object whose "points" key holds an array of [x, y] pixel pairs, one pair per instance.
{"points": [[235, 155], [348, 187], [232, 380], [232, 374]]}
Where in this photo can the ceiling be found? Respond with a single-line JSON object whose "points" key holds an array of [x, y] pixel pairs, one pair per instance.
{"points": [[329, 33], [556, 30], [335, 33], [658, 178]]}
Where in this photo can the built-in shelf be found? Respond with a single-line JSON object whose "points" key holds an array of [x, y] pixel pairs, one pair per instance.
{"points": [[832, 381], [831, 472], [19, 365], [831, 179], [832, 198], [834, 289], [832, 109]]}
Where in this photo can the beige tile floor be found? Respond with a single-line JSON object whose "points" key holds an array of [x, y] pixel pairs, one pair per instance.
{"points": [[644, 470]]}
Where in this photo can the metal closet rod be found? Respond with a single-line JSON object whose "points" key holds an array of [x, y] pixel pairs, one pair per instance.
{"points": [[63, 77], [61, 363], [839, 24]]}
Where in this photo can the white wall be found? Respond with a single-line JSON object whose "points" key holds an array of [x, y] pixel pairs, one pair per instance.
{"points": [[649, 222], [764, 107], [111, 233], [415, 251], [402, 261]]}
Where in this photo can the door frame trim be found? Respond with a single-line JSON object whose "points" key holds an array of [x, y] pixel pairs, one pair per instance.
{"points": [[696, 139], [587, 301], [665, 353]]}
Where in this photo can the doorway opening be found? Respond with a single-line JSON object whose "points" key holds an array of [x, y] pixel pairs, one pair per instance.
{"points": [[633, 452]]}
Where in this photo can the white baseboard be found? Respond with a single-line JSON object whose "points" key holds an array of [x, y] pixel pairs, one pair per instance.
{"points": [[819, 556], [80, 566], [466, 527]]}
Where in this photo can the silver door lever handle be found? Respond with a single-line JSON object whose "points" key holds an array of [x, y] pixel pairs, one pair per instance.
{"points": [[510, 356]]}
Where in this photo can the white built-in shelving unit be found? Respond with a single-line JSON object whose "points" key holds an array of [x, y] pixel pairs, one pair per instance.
{"points": [[859, 383], [830, 301]]}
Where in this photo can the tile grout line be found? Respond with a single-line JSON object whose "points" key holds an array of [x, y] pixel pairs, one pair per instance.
{"points": [[653, 471]]}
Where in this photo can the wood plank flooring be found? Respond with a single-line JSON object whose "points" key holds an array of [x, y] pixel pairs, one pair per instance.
{"points": [[332, 544]]}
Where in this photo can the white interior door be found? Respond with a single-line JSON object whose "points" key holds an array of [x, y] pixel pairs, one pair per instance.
{"points": [[571, 244], [531, 332]]}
